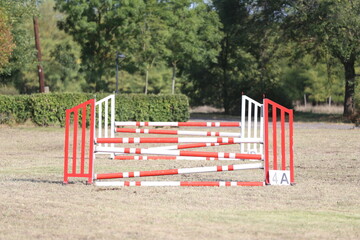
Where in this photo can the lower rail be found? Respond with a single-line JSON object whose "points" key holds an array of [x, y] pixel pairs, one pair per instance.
{"points": [[176, 184], [179, 171]]}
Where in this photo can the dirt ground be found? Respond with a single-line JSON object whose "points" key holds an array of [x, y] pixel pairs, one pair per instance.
{"points": [[324, 204]]}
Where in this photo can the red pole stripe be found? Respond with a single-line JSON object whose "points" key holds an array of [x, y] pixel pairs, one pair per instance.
{"points": [[174, 132], [229, 140], [181, 124]]}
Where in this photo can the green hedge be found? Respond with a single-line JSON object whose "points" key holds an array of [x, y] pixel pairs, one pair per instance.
{"points": [[49, 109]]}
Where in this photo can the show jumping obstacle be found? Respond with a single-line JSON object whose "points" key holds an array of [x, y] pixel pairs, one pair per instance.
{"points": [[265, 141]]}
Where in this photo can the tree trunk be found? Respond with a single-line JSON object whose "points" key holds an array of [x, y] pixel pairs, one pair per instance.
{"points": [[173, 78], [38, 48], [225, 94], [146, 80], [349, 88], [224, 65]]}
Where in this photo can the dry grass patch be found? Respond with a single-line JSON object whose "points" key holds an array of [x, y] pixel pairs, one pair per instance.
{"points": [[34, 204]]}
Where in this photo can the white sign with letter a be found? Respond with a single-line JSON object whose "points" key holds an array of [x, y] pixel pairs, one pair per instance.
{"points": [[279, 177]]}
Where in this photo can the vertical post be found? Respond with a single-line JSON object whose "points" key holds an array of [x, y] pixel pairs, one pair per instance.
{"points": [[83, 140], [66, 149], [91, 149], [117, 72], [75, 141], [112, 122], [266, 140], [243, 104], [38, 48], [283, 155], [106, 124], [256, 110], [100, 121], [274, 120], [262, 127], [291, 134], [249, 135]]}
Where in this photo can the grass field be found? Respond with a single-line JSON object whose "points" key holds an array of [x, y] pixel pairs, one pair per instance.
{"points": [[324, 204]]}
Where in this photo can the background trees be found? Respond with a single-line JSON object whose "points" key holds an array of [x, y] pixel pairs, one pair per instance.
{"points": [[335, 26], [6, 40], [210, 50]]}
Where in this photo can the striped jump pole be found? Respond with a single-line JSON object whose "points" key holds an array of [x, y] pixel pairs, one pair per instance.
{"points": [[179, 171], [179, 140], [179, 124], [162, 157], [192, 145], [179, 153], [176, 184], [177, 132]]}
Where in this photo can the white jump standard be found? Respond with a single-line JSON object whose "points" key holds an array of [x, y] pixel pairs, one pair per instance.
{"points": [[265, 130]]}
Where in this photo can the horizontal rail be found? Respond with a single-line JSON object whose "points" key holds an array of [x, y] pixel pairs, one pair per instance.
{"points": [[180, 124], [192, 145], [179, 171], [117, 157], [178, 153], [179, 140], [176, 184], [178, 132]]}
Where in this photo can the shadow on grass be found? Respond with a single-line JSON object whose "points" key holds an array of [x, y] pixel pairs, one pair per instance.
{"points": [[320, 117], [298, 117], [42, 181], [213, 116]]}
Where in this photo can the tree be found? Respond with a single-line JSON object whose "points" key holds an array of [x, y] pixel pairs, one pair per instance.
{"points": [[100, 27], [6, 40], [150, 38], [335, 25], [194, 34], [61, 55], [19, 13]]}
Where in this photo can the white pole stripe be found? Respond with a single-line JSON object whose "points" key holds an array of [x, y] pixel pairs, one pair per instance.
{"points": [[171, 183], [185, 140]]}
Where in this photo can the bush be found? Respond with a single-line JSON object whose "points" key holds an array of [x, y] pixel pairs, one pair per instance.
{"points": [[14, 109], [156, 108], [49, 109]]}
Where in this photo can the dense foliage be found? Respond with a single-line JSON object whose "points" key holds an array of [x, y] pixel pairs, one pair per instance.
{"points": [[49, 109], [211, 51]]}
